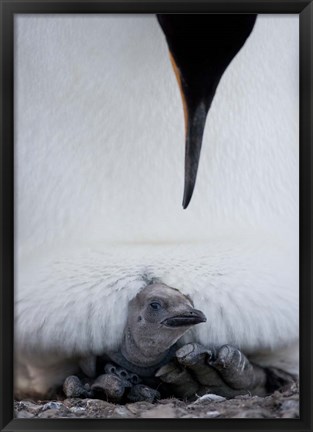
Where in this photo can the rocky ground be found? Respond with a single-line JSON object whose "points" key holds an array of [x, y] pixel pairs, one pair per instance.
{"points": [[278, 405]]}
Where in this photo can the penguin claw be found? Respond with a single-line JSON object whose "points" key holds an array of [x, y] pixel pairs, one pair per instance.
{"points": [[73, 388], [179, 380], [232, 358], [168, 370], [196, 358], [116, 381], [141, 392], [194, 354], [124, 374], [234, 367], [225, 371], [110, 385]]}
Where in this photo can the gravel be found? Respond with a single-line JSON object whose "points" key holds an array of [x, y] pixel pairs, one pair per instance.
{"points": [[283, 404]]}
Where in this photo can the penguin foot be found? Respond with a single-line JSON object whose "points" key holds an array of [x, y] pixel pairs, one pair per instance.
{"points": [[124, 374], [178, 380], [74, 388], [115, 385], [277, 379], [110, 387], [117, 381], [236, 370], [224, 371], [141, 392]]}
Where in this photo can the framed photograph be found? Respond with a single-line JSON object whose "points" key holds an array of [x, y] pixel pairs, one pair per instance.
{"points": [[156, 241]]}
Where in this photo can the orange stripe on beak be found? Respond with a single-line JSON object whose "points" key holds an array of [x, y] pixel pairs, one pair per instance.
{"points": [[178, 78]]}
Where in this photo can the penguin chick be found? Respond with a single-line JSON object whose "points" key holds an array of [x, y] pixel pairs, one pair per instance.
{"points": [[157, 317]]}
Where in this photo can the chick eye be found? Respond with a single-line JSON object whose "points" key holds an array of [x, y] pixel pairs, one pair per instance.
{"points": [[155, 306]]}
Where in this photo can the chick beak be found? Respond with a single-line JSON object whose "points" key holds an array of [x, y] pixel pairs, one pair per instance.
{"points": [[186, 319]]}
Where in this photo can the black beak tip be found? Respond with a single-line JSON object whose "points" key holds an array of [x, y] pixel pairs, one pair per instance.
{"points": [[185, 203], [201, 319], [197, 316], [189, 319], [188, 192]]}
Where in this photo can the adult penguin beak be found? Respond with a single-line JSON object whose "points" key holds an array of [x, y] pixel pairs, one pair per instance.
{"points": [[201, 47]]}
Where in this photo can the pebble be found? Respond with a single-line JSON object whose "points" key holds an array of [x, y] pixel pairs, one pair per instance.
{"points": [[78, 410], [242, 397], [122, 412], [49, 413], [28, 406], [73, 402], [173, 402], [213, 414], [53, 406], [98, 403], [97, 408], [139, 406], [210, 397], [24, 414], [160, 411], [253, 413], [290, 404]]}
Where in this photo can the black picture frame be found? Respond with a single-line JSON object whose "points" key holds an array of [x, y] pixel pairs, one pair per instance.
{"points": [[8, 9]]}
